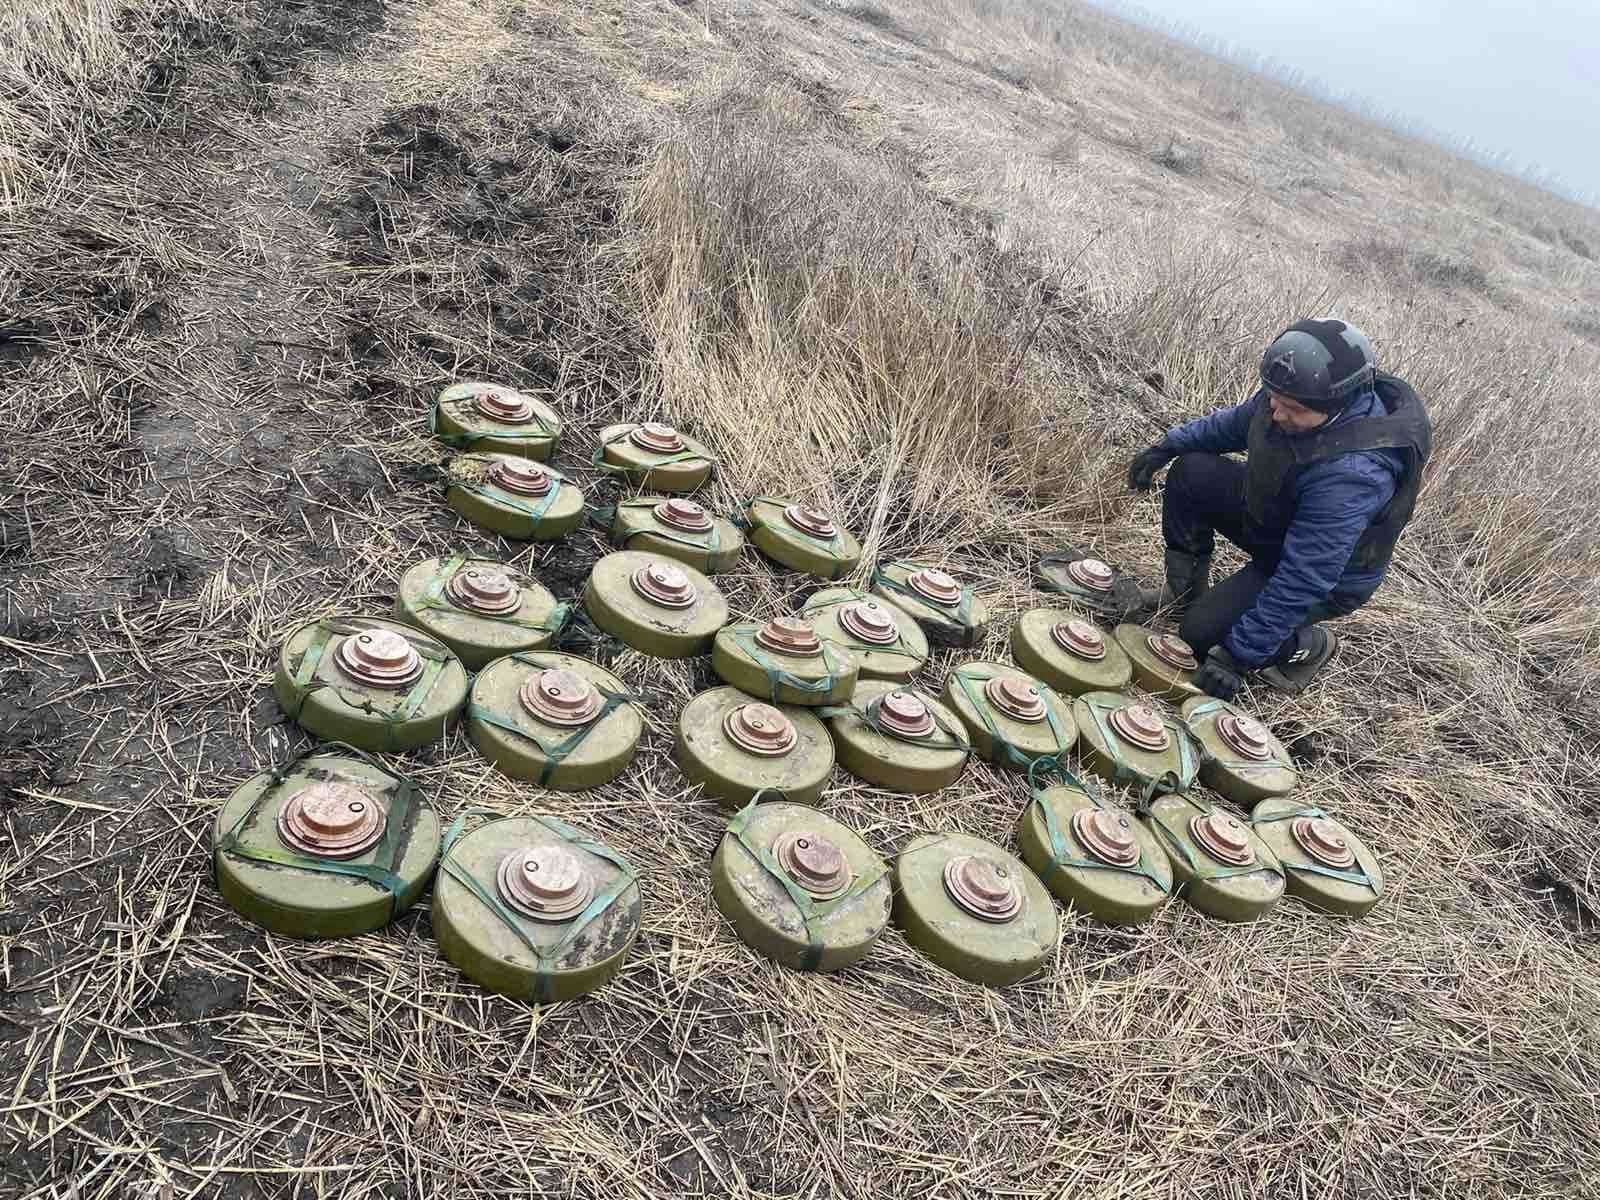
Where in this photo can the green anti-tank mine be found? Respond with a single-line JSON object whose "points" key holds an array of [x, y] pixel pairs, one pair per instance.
{"points": [[655, 605], [884, 641], [1084, 579], [481, 609], [1325, 864], [1130, 743], [801, 538], [1163, 664], [654, 456], [949, 613], [800, 887], [1240, 759], [553, 719], [486, 416], [973, 909], [329, 846], [899, 738], [371, 682], [677, 528], [531, 908], [785, 662], [1012, 717], [514, 496], [1094, 856], [1069, 653], [737, 746], [1221, 867]]}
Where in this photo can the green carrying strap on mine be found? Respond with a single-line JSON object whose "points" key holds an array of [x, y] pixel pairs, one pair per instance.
{"points": [[867, 714], [489, 491], [554, 753], [626, 877], [545, 431], [665, 460], [1006, 752], [404, 800], [833, 544], [433, 597], [1180, 848], [1360, 878], [855, 643], [963, 606], [581, 633], [812, 911], [434, 658], [1241, 765], [838, 667], [1124, 773], [710, 541], [1061, 855]]}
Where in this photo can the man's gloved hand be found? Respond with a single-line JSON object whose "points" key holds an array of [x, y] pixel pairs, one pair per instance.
{"points": [[1220, 675], [1142, 470]]}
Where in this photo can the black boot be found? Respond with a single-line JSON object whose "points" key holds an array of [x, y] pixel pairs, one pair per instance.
{"points": [[1314, 648], [1188, 578]]}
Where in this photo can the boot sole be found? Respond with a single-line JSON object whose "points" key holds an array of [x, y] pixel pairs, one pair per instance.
{"points": [[1304, 672]]}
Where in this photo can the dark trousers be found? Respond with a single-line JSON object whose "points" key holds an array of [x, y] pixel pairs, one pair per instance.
{"points": [[1205, 497]]}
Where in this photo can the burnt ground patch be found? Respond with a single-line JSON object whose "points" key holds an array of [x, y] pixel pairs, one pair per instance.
{"points": [[1560, 901], [275, 37]]}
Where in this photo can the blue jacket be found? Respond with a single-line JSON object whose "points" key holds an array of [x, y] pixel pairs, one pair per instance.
{"points": [[1334, 502]]}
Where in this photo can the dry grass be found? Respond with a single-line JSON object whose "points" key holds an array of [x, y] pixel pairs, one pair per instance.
{"points": [[847, 248]]}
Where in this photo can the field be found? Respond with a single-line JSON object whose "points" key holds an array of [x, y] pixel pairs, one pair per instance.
{"points": [[941, 267]]}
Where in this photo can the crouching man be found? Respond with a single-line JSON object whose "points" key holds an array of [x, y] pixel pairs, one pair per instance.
{"points": [[1334, 457]]}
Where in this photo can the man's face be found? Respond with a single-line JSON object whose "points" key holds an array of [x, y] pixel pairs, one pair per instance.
{"points": [[1289, 415]]}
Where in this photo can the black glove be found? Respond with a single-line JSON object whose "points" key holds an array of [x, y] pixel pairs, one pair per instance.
{"points": [[1220, 675], [1142, 470]]}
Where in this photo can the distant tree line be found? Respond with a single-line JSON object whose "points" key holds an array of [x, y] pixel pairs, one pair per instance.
{"points": [[1306, 84]]}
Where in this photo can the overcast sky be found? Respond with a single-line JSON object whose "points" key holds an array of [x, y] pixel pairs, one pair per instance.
{"points": [[1520, 77]]}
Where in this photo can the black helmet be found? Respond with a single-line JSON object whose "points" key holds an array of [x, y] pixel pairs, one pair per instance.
{"points": [[1319, 363]]}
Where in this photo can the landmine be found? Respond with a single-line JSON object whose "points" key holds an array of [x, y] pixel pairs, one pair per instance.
{"points": [[785, 662], [1221, 867], [800, 887], [654, 456], [331, 845], [371, 682], [885, 642], [1325, 864], [1130, 743], [973, 909], [899, 738], [489, 417], [533, 909], [1086, 580], [801, 537], [1069, 653], [1163, 664], [1013, 719], [655, 605], [949, 613], [1240, 759], [1096, 857], [480, 608], [674, 527], [737, 747], [517, 497], [553, 719]]}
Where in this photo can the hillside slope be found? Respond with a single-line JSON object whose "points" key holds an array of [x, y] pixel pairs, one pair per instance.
{"points": [[941, 267]]}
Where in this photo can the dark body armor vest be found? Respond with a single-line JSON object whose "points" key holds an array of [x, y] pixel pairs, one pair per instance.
{"points": [[1277, 459]]}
